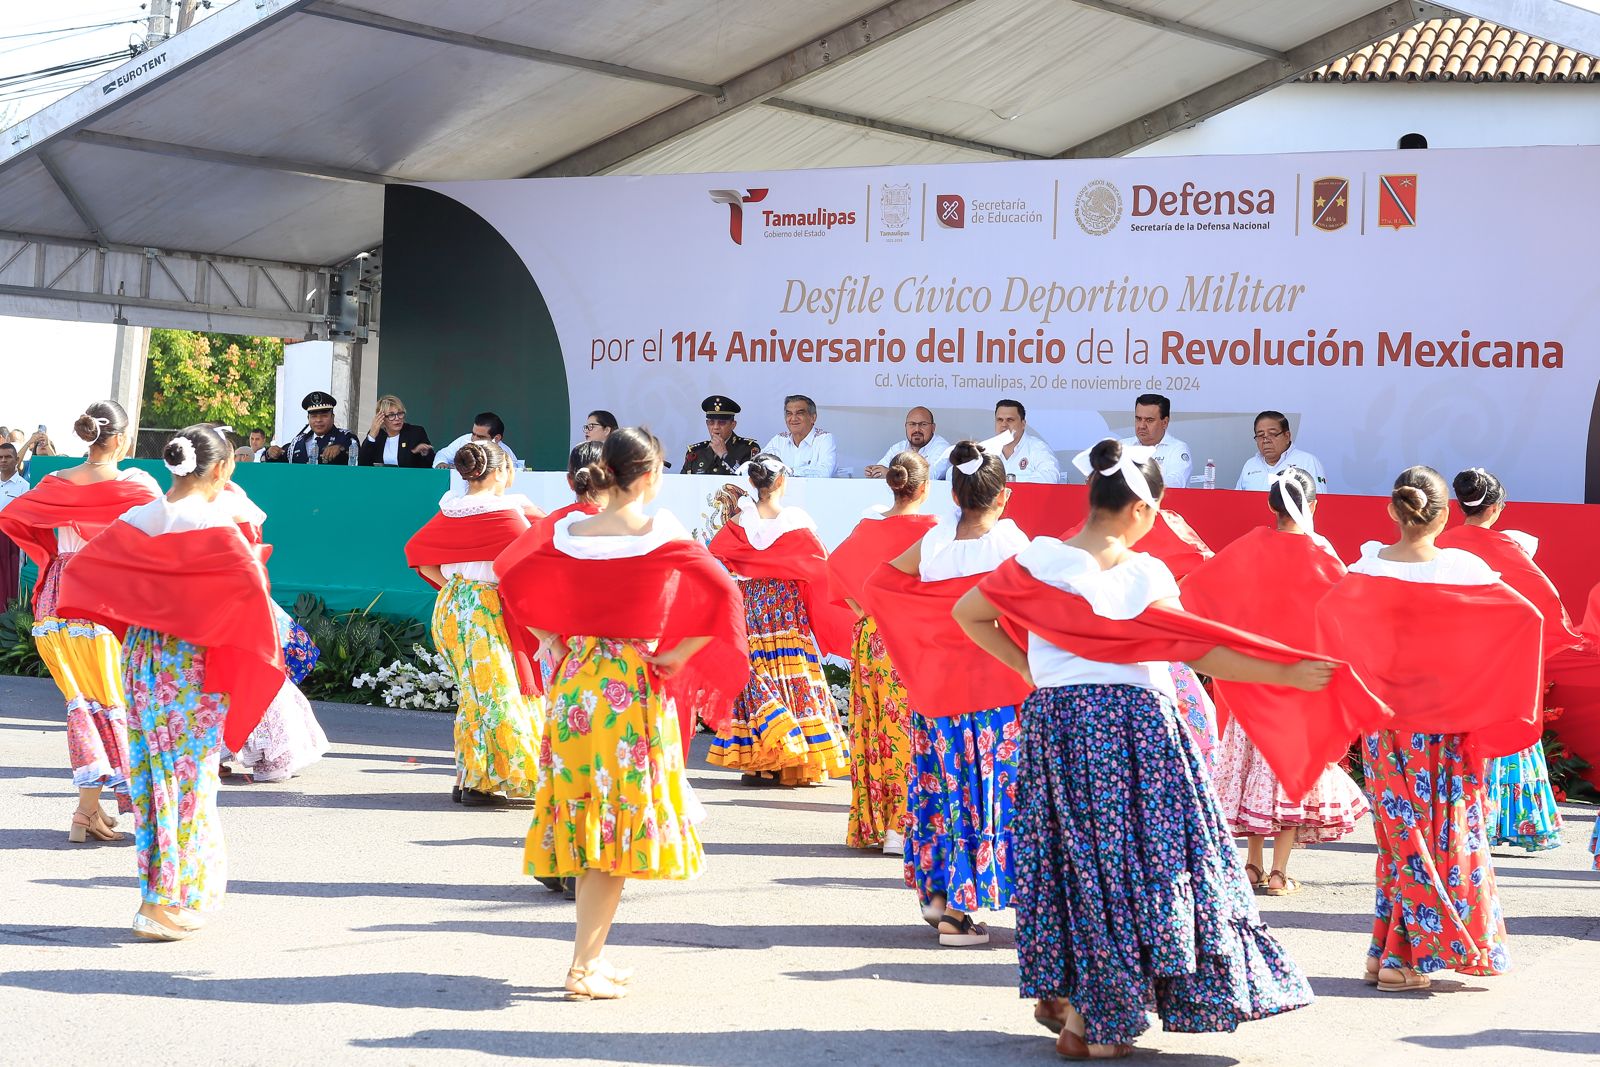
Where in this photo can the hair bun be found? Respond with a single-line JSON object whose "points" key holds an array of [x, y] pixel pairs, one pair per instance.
{"points": [[87, 428], [964, 452], [1106, 454], [896, 476]]}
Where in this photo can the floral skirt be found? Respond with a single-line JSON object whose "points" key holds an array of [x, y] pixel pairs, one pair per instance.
{"points": [[1195, 710], [1437, 908], [175, 740], [288, 739], [962, 794], [613, 792], [880, 748], [86, 663], [1522, 805], [1129, 890], [498, 729], [784, 720], [1254, 803]]}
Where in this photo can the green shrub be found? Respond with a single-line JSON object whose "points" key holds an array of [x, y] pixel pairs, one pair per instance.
{"points": [[352, 643], [18, 653]]}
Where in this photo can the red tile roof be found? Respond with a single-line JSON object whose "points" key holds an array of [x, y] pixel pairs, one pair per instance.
{"points": [[1460, 50]]}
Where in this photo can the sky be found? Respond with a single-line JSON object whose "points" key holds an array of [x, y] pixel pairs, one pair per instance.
{"points": [[54, 369]]}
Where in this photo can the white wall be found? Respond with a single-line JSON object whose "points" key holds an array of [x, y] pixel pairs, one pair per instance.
{"points": [[306, 366], [50, 371], [1322, 117]]}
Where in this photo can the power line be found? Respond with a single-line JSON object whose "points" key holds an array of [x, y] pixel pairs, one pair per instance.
{"points": [[15, 80], [66, 30]]}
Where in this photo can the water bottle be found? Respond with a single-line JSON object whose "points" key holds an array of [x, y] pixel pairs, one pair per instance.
{"points": [[1210, 479]]}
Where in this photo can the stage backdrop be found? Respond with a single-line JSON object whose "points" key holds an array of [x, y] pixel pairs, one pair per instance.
{"points": [[1401, 307]]}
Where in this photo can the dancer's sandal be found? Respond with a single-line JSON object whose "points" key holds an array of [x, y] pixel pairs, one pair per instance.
{"points": [[1253, 876], [1288, 889], [1071, 1045], [85, 826], [1370, 974], [933, 912], [586, 983], [151, 930], [965, 932], [1408, 983], [1049, 1013], [620, 975]]}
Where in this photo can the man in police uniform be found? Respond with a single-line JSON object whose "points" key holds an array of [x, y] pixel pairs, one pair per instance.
{"points": [[320, 442], [1151, 414], [724, 452]]}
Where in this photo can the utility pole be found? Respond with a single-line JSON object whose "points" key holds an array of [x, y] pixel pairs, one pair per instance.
{"points": [[158, 27], [186, 10]]}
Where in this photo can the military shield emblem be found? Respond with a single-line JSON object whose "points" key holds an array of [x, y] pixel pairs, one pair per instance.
{"points": [[1397, 200], [1330, 203]]}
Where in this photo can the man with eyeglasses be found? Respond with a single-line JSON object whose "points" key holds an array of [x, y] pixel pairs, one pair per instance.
{"points": [[807, 451], [723, 451], [1275, 453], [1152, 413], [921, 437]]}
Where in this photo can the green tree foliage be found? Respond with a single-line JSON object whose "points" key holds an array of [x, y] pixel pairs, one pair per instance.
{"points": [[210, 377]]}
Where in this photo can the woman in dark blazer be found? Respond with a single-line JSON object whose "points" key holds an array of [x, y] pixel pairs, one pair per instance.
{"points": [[392, 441]]}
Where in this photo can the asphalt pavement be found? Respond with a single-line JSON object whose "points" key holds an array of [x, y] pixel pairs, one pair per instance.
{"points": [[369, 920]]}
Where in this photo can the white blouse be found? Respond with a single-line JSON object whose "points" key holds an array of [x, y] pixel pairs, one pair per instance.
{"points": [[664, 528], [456, 505], [764, 532], [193, 512], [67, 539], [944, 557], [1452, 566], [1121, 592]]}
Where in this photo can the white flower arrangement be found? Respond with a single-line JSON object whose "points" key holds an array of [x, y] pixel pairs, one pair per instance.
{"points": [[425, 683], [841, 701]]}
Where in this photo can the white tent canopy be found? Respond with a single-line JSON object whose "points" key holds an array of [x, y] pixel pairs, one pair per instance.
{"points": [[215, 179]]}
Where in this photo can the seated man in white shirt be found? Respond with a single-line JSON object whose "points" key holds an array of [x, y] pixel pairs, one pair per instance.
{"points": [[807, 451], [258, 445], [1027, 457], [486, 427], [1151, 414], [922, 439], [1275, 453]]}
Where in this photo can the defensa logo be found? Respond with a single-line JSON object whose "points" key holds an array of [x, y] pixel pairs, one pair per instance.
{"points": [[1192, 200], [736, 201]]}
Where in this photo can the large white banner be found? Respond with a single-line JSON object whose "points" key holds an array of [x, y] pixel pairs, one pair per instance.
{"points": [[1401, 307]]}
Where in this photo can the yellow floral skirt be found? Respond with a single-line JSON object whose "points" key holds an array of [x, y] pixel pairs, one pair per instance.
{"points": [[880, 745], [498, 729], [613, 790], [784, 721]]}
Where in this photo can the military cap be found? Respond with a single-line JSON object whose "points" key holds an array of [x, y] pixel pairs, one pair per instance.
{"points": [[719, 407], [317, 400]]}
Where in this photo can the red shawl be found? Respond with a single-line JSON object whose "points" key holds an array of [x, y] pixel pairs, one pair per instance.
{"points": [[32, 519], [1171, 540], [534, 536], [872, 542], [463, 539], [1519, 572], [207, 587], [674, 592], [1296, 744], [795, 556], [1267, 583], [943, 671], [1449, 659]]}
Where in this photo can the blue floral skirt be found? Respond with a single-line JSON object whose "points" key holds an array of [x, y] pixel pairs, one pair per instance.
{"points": [[1523, 805], [1130, 893], [960, 799]]}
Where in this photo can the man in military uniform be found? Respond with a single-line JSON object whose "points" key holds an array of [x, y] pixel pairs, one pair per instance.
{"points": [[724, 452], [320, 442]]}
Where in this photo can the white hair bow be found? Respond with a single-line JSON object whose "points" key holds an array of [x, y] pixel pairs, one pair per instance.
{"points": [[1291, 503], [185, 465], [991, 446], [1127, 466]]}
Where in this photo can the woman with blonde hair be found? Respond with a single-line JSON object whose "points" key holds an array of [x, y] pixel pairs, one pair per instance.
{"points": [[391, 441]]}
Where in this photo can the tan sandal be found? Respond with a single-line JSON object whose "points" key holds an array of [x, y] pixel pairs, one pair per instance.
{"points": [[85, 826], [1289, 888], [1254, 881], [1409, 983], [585, 983]]}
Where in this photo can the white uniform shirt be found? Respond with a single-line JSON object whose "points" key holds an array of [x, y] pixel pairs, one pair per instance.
{"points": [[936, 452], [1174, 459], [446, 456], [1032, 461], [11, 488], [814, 457], [1256, 474]]}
